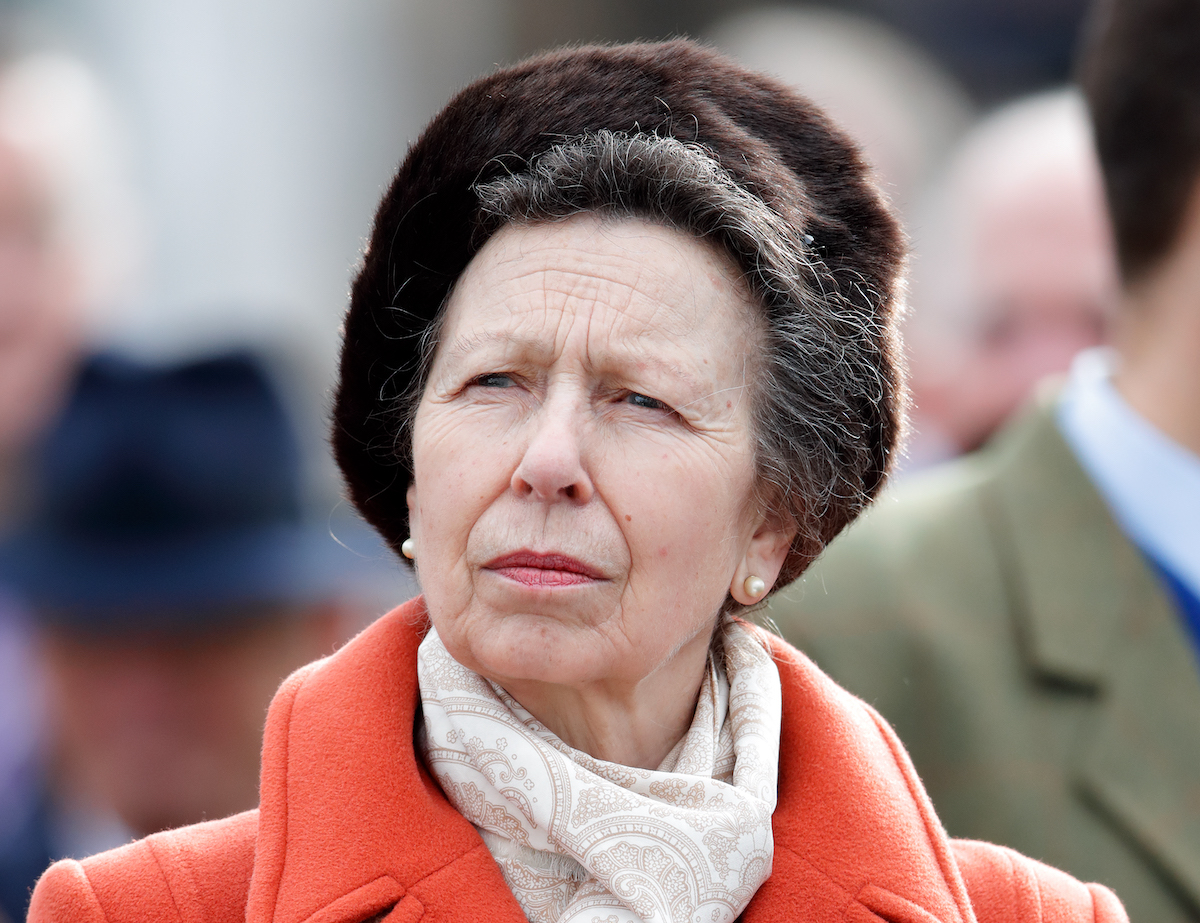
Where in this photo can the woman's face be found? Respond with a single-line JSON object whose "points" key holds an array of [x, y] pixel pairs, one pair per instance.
{"points": [[583, 454]]}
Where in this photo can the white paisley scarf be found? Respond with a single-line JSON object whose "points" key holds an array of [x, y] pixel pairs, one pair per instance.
{"points": [[580, 840]]}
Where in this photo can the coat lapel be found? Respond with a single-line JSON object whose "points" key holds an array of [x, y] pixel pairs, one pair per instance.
{"points": [[1096, 617], [1142, 762], [856, 837], [350, 823]]}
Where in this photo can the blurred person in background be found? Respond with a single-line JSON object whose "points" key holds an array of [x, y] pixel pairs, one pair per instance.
{"points": [[1013, 267], [68, 246], [70, 241], [897, 102], [175, 582], [1028, 617], [1013, 272]]}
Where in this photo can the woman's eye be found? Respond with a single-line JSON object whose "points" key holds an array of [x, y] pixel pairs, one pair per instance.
{"points": [[650, 403], [493, 380]]}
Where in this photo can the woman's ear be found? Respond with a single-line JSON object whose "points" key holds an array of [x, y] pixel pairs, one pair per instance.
{"points": [[414, 516], [764, 558]]}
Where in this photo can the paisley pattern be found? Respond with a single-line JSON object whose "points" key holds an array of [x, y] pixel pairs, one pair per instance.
{"points": [[580, 840]]}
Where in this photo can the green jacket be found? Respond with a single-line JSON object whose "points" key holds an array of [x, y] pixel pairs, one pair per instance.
{"points": [[1030, 660]]}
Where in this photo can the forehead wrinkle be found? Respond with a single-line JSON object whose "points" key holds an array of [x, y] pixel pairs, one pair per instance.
{"points": [[586, 298], [604, 277], [625, 351]]}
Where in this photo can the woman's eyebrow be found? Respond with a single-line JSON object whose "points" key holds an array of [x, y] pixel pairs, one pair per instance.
{"points": [[473, 341], [639, 358]]}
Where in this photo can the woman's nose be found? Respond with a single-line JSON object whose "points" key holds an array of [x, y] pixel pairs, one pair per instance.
{"points": [[552, 467]]}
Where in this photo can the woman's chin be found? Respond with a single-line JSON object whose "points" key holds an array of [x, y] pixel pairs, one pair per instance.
{"points": [[536, 646]]}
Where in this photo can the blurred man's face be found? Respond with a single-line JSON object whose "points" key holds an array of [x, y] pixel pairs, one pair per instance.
{"points": [[39, 329], [1044, 282], [165, 728]]}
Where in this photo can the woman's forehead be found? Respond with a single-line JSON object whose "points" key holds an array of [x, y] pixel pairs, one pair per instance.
{"points": [[598, 278]]}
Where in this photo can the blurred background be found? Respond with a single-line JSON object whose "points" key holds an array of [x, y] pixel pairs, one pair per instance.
{"points": [[183, 179], [255, 137], [236, 150]]}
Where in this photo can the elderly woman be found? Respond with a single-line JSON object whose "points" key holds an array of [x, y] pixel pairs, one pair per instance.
{"points": [[620, 361]]}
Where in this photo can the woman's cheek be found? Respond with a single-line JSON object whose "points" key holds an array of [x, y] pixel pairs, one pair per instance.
{"points": [[706, 531], [460, 478]]}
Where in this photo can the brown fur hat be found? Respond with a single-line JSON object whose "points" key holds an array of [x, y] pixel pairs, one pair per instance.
{"points": [[773, 142]]}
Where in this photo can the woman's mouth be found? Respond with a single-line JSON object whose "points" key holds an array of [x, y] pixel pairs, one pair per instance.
{"points": [[534, 569]]}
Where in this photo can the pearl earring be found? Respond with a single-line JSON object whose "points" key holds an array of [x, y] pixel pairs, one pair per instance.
{"points": [[754, 586], [409, 548]]}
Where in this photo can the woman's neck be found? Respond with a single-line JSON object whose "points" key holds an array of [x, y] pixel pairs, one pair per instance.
{"points": [[1158, 337], [633, 726]]}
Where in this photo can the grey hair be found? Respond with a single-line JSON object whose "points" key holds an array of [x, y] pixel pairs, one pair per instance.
{"points": [[820, 362]]}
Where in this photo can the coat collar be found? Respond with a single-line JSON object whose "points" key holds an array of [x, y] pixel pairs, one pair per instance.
{"points": [[1095, 616], [351, 824]]}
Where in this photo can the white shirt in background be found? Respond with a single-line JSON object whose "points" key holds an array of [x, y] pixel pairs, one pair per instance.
{"points": [[1150, 483]]}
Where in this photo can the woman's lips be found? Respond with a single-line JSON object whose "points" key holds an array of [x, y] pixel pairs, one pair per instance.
{"points": [[543, 570]]}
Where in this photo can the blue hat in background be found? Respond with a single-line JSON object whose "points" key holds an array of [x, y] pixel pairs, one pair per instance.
{"points": [[166, 491]]}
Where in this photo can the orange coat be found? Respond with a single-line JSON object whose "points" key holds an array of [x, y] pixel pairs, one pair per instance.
{"points": [[352, 828]]}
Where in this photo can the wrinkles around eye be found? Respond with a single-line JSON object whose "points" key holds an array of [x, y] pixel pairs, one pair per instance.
{"points": [[502, 380]]}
